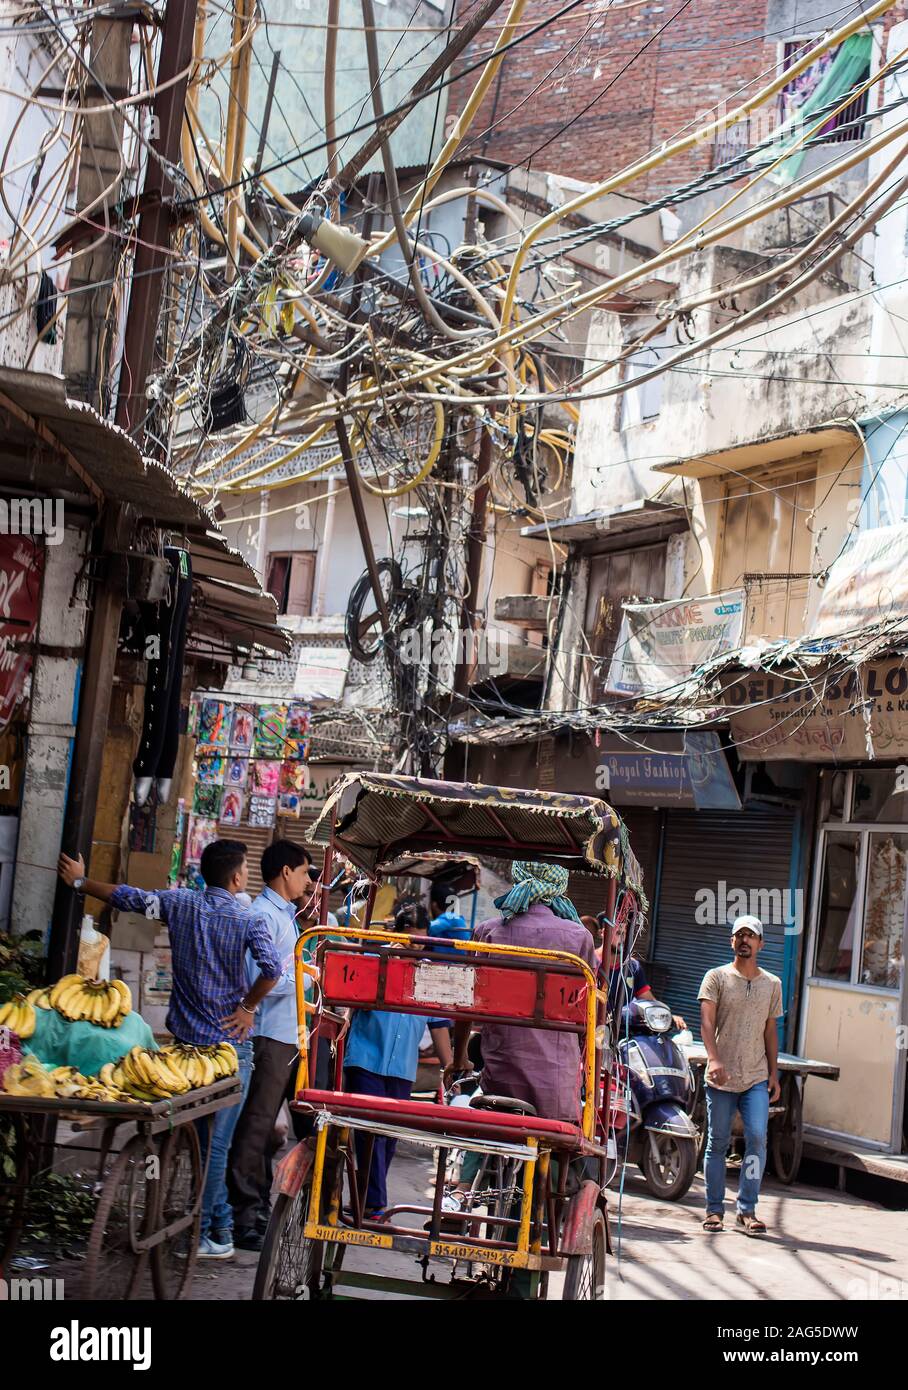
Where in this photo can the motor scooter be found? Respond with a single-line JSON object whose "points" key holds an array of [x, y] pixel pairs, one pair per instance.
{"points": [[652, 1096]]}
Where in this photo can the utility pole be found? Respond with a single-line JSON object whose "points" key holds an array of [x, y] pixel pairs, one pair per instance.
{"points": [[91, 329], [156, 222], [116, 529]]}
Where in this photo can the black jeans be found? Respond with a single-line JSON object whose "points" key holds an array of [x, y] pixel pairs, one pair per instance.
{"points": [[250, 1155]]}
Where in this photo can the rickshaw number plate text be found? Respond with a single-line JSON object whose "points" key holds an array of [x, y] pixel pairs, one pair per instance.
{"points": [[444, 984]]}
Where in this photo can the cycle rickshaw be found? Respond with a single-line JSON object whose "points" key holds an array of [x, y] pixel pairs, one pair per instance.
{"points": [[555, 1218]]}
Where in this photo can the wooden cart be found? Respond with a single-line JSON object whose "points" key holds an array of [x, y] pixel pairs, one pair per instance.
{"points": [[150, 1177], [786, 1121]]}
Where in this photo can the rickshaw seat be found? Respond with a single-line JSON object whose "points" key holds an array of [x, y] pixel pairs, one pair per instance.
{"points": [[456, 1120]]}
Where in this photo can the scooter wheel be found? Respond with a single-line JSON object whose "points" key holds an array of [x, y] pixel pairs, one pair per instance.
{"points": [[668, 1164]]}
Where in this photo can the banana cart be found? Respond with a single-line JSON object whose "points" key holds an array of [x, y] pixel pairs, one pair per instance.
{"points": [[150, 1176], [545, 1210]]}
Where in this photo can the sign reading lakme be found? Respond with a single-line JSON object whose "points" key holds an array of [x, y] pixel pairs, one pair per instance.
{"points": [[660, 644]]}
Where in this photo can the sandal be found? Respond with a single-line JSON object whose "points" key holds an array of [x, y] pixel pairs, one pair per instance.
{"points": [[751, 1225], [713, 1223]]}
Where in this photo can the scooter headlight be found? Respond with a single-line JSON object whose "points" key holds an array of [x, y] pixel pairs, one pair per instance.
{"points": [[658, 1018], [637, 1063]]}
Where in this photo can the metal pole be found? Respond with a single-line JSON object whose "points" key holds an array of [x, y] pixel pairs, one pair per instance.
{"points": [[475, 543], [153, 241]]}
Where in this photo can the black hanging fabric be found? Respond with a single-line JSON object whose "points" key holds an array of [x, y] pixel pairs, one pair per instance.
{"points": [[157, 755]]}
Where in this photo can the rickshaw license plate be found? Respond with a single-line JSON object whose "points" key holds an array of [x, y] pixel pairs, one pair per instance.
{"points": [[444, 984]]}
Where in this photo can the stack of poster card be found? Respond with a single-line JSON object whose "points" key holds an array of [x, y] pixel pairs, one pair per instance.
{"points": [[202, 830], [233, 802], [214, 723], [262, 810]]}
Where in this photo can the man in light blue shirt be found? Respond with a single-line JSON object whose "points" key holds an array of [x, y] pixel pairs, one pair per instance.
{"points": [[381, 1060], [285, 871]]}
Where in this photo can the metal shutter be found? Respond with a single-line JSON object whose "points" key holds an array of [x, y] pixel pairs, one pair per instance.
{"points": [[255, 838], [751, 850]]}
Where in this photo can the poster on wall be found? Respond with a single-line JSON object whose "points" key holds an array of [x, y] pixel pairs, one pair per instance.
{"points": [[214, 723], [236, 772], [270, 731], [202, 830], [264, 777], [232, 803], [21, 567], [660, 644], [206, 799], [262, 811], [242, 729]]}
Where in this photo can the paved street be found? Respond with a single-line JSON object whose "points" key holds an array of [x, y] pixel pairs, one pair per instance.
{"points": [[821, 1245]]}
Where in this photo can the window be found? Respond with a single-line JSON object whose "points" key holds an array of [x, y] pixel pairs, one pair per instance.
{"points": [[862, 895], [643, 403], [767, 549], [290, 580], [825, 83]]}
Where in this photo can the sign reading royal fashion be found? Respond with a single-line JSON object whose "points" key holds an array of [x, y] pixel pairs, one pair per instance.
{"points": [[660, 644], [867, 584], [860, 715]]}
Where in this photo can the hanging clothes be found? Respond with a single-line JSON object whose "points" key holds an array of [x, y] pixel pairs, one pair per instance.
{"points": [[159, 744]]}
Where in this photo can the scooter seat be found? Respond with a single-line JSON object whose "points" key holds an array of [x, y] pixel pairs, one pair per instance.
{"points": [[507, 1105]]}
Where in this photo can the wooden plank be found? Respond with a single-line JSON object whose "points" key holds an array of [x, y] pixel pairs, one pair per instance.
{"points": [[892, 1166]]}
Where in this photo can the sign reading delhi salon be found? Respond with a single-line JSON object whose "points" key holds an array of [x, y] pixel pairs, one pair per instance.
{"points": [[860, 715]]}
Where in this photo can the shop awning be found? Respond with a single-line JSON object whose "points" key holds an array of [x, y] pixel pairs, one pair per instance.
{"points": [[756, 453], [626, 520], [52, 445]]}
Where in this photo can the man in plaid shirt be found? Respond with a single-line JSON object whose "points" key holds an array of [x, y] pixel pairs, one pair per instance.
{"points": [[210, 933]]}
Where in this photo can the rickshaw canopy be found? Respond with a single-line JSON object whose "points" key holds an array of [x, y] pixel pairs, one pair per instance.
{"points": [[374, 818]]}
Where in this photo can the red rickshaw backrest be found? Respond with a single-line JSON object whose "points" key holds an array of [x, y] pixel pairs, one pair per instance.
{"points": [[532, 993]]}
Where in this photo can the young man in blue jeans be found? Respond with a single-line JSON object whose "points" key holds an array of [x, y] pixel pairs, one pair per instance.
{"points": [[211, 1001], [739, 1005]]}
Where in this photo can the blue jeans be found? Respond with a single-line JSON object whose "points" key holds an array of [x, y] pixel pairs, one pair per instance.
{"points": [[217, 1213], [721, 1106], [371, 1083]]}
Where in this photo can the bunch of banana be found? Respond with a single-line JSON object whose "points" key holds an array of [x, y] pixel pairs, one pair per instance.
{"points": [[18, 1016], [40, 998], [105, 1002], [71, 1084], [226, 1062], [202, 1066], [28, 1078], [147, 1075], [192, 1063]]}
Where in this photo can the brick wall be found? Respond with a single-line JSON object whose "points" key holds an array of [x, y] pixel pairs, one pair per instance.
{"points": [[711, 51]]}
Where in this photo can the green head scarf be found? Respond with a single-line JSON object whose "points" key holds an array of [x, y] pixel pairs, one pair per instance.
{"points": [[537, 883]]}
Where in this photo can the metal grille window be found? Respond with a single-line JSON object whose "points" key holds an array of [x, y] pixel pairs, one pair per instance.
{"points": [[797, 94]]}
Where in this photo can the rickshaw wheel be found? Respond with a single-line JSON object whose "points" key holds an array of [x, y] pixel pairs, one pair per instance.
{"points": [[289, 1266], [584, 1280], [173, 1260], [113, 1269], [786, 1135]]}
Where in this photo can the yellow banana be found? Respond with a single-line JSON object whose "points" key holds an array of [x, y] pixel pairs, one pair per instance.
{"points": [[65, 1000], [40, 998], [125, 994], [62, 984]]}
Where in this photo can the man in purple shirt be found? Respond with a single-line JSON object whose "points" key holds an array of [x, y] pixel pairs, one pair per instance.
{"points": [[540, 1066]]}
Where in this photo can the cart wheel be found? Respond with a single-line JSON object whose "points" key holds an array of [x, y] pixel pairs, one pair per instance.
{"points": [[584, 1281], [113, 1269], [173, 1261], [289, 1266], [14, 1190], [786, 1135]]}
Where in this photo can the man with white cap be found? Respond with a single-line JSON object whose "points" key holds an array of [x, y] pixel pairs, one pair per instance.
{"points": [[739, 1005]]}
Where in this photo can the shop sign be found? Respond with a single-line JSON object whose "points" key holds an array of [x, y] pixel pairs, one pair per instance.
{"points": [[660, 644], [867, 584], [696, 775], [21, 565], [858, 716]]}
